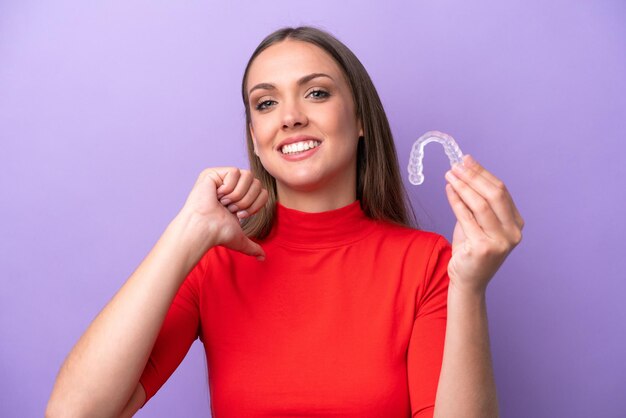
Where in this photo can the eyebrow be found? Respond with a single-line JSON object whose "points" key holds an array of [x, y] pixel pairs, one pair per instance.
{"points": [[301, 81]]}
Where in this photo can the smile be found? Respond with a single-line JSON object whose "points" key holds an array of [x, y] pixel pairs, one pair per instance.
{"points": [[298, 147]]}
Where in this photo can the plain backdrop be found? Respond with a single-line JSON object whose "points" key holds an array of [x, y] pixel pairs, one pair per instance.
{"points": [[109, 111]]}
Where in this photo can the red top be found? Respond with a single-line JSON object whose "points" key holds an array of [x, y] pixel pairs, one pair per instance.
{"points": [[346, 317]]}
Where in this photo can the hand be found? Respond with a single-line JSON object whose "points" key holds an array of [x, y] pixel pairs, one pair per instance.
{"points": [[219, 199], [488, 225]]}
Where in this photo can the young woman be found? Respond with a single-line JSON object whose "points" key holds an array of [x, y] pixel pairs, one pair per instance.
{"points": [[302, 277]]}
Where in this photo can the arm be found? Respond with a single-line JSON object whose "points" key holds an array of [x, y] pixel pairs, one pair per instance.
{"points": [[488, 228], [134, 404], [426, 346], [466, 385], [100, 376]]}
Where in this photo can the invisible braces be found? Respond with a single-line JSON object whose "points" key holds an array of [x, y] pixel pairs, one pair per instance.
{"points": [[450, 147]]}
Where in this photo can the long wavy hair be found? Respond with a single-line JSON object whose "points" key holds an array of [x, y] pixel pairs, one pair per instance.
{"points": [[379, 186]]}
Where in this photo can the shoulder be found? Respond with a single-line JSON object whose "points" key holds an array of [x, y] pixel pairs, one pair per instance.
{"points": [[414, 249], [406, 237], [418, 256], [217, 256]]}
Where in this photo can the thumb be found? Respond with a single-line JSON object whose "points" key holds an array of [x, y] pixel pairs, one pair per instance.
{"points": [[253, 249]]}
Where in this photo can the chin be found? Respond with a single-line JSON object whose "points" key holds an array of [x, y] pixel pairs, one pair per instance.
{"points": [[302, 185]]}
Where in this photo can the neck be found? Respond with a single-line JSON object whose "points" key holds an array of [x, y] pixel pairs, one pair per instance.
{"points": [[315, 201], [320, 230]]}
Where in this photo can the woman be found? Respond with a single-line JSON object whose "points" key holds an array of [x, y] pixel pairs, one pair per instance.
{"points": [[310, 292]]}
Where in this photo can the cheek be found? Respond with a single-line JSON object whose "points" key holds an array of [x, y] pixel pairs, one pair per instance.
{"points": [[262, 128], [343, 121], [332, 119]]}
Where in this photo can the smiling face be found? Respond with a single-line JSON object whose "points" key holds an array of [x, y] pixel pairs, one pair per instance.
{"points": [[303, 123]]}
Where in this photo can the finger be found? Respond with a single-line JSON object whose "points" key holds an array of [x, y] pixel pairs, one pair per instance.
{"points": [[251, 248], [519, 221], [207, 180], [257, 205], [251, 195], [229, 177], [463, 215], [480, 208], [241, 188], [491, 188], [245, 205], [471, 162]]}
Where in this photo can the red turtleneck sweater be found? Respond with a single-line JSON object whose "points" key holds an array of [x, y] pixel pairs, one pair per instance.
{"points": [[346, 317]]}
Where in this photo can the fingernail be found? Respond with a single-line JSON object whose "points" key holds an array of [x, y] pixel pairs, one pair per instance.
{"points": [[260, 258], [233, 208], [220, 195], [225, 201], [450, 176], [242, 214], [459, 167]]}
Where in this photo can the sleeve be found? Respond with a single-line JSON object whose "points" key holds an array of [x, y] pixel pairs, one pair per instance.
{"points": [[425, 352], [179, 330]]}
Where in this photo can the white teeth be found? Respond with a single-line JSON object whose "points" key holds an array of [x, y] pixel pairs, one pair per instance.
{"points": [[299, 147]]}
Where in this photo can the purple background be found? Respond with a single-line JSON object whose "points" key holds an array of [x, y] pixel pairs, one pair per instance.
{"points": [[108, 112]]}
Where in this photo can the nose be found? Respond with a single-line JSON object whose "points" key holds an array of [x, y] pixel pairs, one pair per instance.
{"points": [[293, 115]]}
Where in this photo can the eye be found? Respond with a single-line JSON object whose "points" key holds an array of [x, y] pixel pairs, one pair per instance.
{"points": [[319, 94], [264, 104]]}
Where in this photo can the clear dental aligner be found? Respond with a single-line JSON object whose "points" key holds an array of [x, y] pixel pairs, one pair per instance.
{"points": [[450, 147]]}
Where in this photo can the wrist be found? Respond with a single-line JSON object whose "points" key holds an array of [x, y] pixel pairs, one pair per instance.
{"points": [[466, 292], [194, 234], [466, 305]]}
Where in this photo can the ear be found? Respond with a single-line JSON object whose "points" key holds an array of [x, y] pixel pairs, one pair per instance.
{"points": [[256, 152]]}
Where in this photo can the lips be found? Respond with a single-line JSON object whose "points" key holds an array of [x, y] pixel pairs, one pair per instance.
{"points": [[294, 139], [298, 147]]}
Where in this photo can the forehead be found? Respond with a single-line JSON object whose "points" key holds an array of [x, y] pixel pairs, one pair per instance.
{"points": [[290, 59]]}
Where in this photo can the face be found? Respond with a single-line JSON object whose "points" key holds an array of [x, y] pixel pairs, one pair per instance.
{"points": [[303, 121]]}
